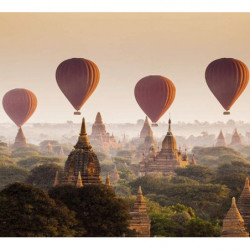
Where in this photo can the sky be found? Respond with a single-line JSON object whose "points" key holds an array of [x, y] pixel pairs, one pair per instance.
{"points": [[126, 47]]}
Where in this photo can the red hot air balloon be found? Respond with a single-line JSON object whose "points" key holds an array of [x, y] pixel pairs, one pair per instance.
{"points": [[154, 94], [227, 78], [19, 104], [77, 78]]}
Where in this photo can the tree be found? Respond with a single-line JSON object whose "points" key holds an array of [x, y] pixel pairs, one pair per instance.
{"points": [[198, 173], [97, 208], [43, 176], [200, 228], [12, 173], [26, 211], [35, 161]]}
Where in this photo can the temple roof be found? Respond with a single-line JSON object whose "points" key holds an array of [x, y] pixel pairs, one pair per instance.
{"points": [[20, 140], [235, 138], [244, 202], [233, 223], [107, 180], [146, 129], [79, 180], [221, 142], [169, 142], [83, 141], [98, 118]]}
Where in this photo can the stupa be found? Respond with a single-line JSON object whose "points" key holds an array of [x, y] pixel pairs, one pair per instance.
{"points": [[20, 140], [221, 142]]}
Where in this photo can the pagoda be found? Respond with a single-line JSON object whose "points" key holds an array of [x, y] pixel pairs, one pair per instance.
{"points": [[82, 161], [20, 140], [221, 142], [165, 161], [236, 140], [146, 130], [244, 204], [140, 221], [100, 138], [233, 223], [115, 176]]}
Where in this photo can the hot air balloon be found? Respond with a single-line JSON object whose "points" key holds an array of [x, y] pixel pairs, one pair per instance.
{"points": [[154, 94], [19, 104], [77, 78], [227, 78]]}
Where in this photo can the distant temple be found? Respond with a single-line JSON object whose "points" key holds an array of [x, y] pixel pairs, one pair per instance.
{"points": [[20, 140], [146, 130], [193, 161], [236, 140], [233, 223], [82, 165], [165, 161], [221, 142], [115, 176], [99, 138], [140, 221], [244, 204], [146, 140]]}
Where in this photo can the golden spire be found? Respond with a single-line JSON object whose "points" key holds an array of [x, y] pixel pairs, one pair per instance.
{"points": [[139, 197], [244, 204], [108, 180], [79, 180], [169, 125], [83, 138], [233, 223], [56, 181]]}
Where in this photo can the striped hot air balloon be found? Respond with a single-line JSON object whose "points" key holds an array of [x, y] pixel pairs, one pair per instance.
{"points": [[227, 78], [19, 104], [77, 78], [154, 94]]}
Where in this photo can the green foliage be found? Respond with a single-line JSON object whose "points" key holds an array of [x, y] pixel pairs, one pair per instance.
{"points": [[121, 160], [199, 228], [43, 176], [198, 173], [26, 211], [12, 173], [233, 175], [23, 153], [35, 161], [205, 199], [213, 156], [99, 211], [122, 190]]}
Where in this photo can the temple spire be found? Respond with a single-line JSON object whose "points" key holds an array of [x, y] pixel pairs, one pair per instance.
{"points": [[107, 180], [56, 181], [79, 180], [233, 223], [20, 140], [83, 138], [98, 118], [169, 125], [244, 204]]}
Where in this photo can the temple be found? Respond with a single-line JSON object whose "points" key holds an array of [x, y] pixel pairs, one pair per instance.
{"points": [[244, 205], [115, 176], [165, 161], [107, 182], [99, 138], [140, 221], [193, 161], [20, 140], [221, 142], [236, 140], [146, 141], [146, 130], [233, 223], [82, 162]]}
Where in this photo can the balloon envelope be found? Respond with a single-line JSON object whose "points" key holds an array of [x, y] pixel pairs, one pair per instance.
{"points": [[19, 104], [154, 94], [77, 78], [227, 78]]}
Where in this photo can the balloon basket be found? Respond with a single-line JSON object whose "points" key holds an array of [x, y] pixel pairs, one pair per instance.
{"points": [[226, 113], [154, 125], [77, 113]]}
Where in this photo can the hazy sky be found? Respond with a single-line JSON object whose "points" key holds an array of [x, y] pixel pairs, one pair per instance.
{"points": [[126, 47]]}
